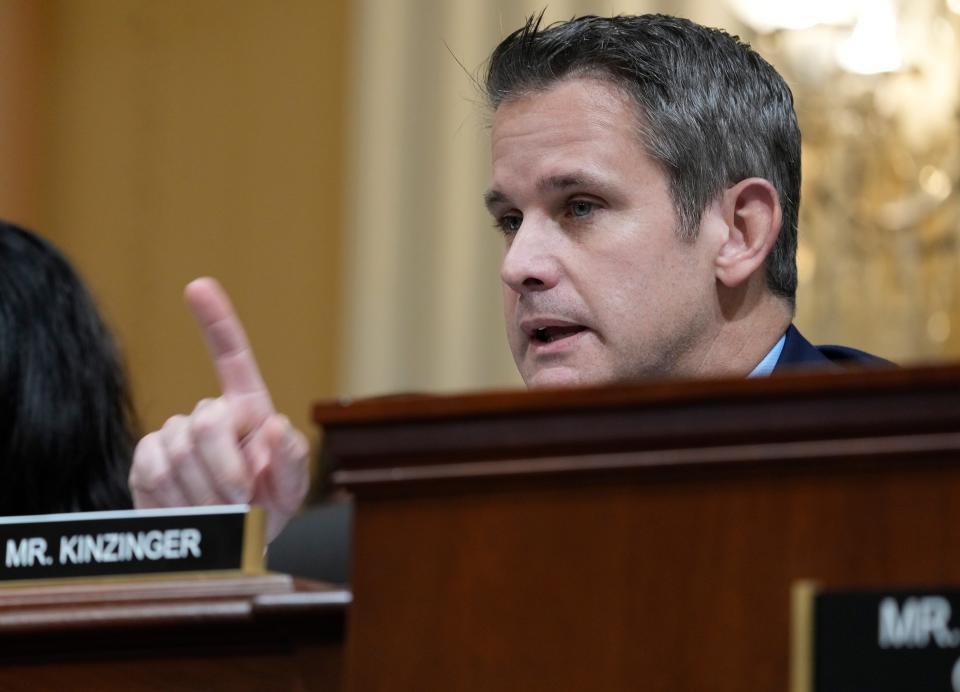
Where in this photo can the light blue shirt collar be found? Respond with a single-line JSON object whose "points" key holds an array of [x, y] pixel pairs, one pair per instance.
{"points": [[766, 366]]}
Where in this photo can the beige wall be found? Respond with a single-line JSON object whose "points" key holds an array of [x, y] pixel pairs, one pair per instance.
{"points": [[183, 138]]}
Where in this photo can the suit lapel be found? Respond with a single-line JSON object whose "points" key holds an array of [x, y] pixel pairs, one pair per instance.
{"points": [[798, 352]]}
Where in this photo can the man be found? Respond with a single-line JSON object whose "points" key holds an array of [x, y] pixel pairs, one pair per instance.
{"points": [[646, 178]]}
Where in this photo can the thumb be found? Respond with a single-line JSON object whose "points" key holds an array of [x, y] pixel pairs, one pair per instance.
{"points": [[284, 482]]}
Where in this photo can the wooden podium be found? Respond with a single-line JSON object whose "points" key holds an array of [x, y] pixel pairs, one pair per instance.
{"points": [[633, 539]]}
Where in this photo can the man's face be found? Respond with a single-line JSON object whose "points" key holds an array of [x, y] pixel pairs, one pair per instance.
{"points": [[597, 287]]}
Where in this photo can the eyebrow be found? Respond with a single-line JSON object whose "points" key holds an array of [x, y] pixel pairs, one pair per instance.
{"points": [[562, 182], [493, 197]]}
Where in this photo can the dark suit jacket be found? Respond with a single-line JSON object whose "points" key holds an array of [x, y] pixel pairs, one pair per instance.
{"points": [[798, 353]]}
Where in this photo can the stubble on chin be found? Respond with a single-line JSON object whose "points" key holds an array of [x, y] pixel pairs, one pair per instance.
{"points": [[585, 368], [559, 377]]}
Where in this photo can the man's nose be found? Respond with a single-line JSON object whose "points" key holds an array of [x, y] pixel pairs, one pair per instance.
{"points": [[530, 263]]}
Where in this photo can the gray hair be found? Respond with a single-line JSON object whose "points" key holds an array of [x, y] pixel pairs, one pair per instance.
{"points": [[711, 111]]}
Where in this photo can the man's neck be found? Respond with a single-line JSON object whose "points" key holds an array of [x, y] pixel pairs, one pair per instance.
{"points": [[748, 326]]}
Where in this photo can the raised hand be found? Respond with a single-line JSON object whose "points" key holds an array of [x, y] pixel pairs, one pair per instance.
{"points": [[232, 449]]}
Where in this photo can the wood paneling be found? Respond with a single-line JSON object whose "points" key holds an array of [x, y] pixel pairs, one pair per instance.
{"points": [[635, 539], [202, 138]]}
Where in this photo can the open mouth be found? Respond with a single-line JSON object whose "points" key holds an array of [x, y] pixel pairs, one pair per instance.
{"points": [[546, 335]]}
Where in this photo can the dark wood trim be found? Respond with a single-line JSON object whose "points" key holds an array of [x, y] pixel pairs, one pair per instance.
{"points": [[204, 601], [239, 633], [910, 449], [414, 406], [395, 434]]}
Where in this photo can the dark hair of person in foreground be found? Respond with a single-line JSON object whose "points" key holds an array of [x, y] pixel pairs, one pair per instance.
{"points": [[66, 423]]}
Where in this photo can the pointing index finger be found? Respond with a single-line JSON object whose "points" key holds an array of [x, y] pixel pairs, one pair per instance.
{"points": [[226, 341]]}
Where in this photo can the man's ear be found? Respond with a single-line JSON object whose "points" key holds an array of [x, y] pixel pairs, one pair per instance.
{"points": [[752, 214]]}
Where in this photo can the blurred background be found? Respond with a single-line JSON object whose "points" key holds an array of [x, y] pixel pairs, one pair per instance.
{"points": [[325, 160]]}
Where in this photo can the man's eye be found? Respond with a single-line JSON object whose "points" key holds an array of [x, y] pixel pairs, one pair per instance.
{"points": [[510, 223], [581, 207]]}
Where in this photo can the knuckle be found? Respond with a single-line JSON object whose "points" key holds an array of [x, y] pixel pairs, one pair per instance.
{"points": [[291, 444], [147, 453], [202, 405], [208, 420], [235, 483], [179, 452], [151, 478], [150, 471], [145, 448], [168, 446], [299, 447], [173, 425]]}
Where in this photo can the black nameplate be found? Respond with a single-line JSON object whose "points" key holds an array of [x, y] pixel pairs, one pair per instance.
{"points": [[886, 641], [96, 544]]}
